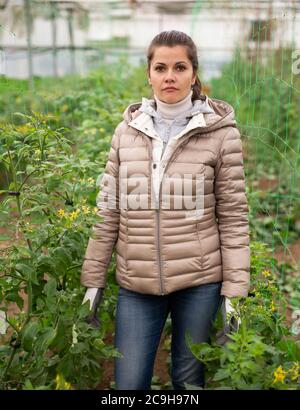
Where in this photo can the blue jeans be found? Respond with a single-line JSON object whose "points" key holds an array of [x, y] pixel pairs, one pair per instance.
{"points": [[140, 319]]}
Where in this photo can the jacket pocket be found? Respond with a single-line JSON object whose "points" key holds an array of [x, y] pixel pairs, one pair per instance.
{"points": [[201, 256]]}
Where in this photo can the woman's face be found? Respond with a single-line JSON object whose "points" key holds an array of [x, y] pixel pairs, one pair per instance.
{"points": [[170, 67]]}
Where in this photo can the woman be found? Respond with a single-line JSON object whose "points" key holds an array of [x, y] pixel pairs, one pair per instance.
{"points": [[173, 202]]}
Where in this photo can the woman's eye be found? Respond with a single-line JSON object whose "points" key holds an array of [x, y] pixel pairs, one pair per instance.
{"points": [[180, 68]]}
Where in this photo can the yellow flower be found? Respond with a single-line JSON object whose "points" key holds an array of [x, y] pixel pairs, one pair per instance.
{"points": [[27, 227], [101, 130], [24, 128], [74, 214], [279, 375], [294, 370], [18, 326], [85, 209], [95, 209], [37, 153], [61, 212], [90, 182], [266, 273], [272, 306], [61, 383]]}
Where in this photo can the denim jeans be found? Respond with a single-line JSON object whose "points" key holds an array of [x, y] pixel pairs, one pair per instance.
{"points": [[140, 319]]}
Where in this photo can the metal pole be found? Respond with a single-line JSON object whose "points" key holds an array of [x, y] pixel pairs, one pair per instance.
{"points": [[71, 38], [54, 37], [28, 18]]}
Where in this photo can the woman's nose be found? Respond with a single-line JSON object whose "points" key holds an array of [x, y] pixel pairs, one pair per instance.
{"points": [[170, 76]]}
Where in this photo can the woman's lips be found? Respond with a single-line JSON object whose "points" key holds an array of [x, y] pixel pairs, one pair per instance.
{"points": [[170, 89]]}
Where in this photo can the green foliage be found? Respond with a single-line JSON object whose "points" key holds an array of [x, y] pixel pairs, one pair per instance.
{"points": [[266, 100], [50, 339], [262, 354], [53, 146]]}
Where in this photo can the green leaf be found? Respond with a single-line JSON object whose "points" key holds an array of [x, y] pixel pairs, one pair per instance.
{"points": [[290, 348], [222, 374], [37, 208], [192, 387], [78, 348], [50, 289], [46, 264], [15, 297], [28, 336], [45, 340], [63, 259], [66, 366], [99, 344], [248, 364], [29, 270], [83, 310], [28, 385]]}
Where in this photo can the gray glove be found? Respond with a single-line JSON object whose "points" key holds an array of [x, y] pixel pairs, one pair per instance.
{"points": [[94, 295], [231, 322]]}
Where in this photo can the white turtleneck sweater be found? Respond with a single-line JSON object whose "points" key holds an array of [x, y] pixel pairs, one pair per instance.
{"points": [[171, 111], [171, 119]]}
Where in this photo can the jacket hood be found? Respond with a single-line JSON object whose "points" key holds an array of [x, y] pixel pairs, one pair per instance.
{"points": [[217, 113]]}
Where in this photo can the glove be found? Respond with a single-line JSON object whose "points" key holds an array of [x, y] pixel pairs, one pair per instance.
{"points": [[231, 322], [94, 295]]}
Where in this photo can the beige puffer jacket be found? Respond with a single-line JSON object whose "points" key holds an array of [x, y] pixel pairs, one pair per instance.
{"points": [[166, 247]]}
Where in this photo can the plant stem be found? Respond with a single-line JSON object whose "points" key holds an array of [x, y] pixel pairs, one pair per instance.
{"points": [[28, 281]]}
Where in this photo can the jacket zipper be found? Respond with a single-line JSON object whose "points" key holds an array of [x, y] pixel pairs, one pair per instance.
{"points": [[157, 210], [157, 214]]}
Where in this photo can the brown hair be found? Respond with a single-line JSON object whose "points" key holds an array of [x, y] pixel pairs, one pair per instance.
{"points": [[173, 38]]}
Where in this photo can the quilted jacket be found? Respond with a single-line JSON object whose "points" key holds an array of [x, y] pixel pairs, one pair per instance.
{"points": [[162, 242]]}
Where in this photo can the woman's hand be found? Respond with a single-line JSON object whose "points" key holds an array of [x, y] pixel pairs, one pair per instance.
{"points": [[231, 322], [94, 295], [232, 316]]}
